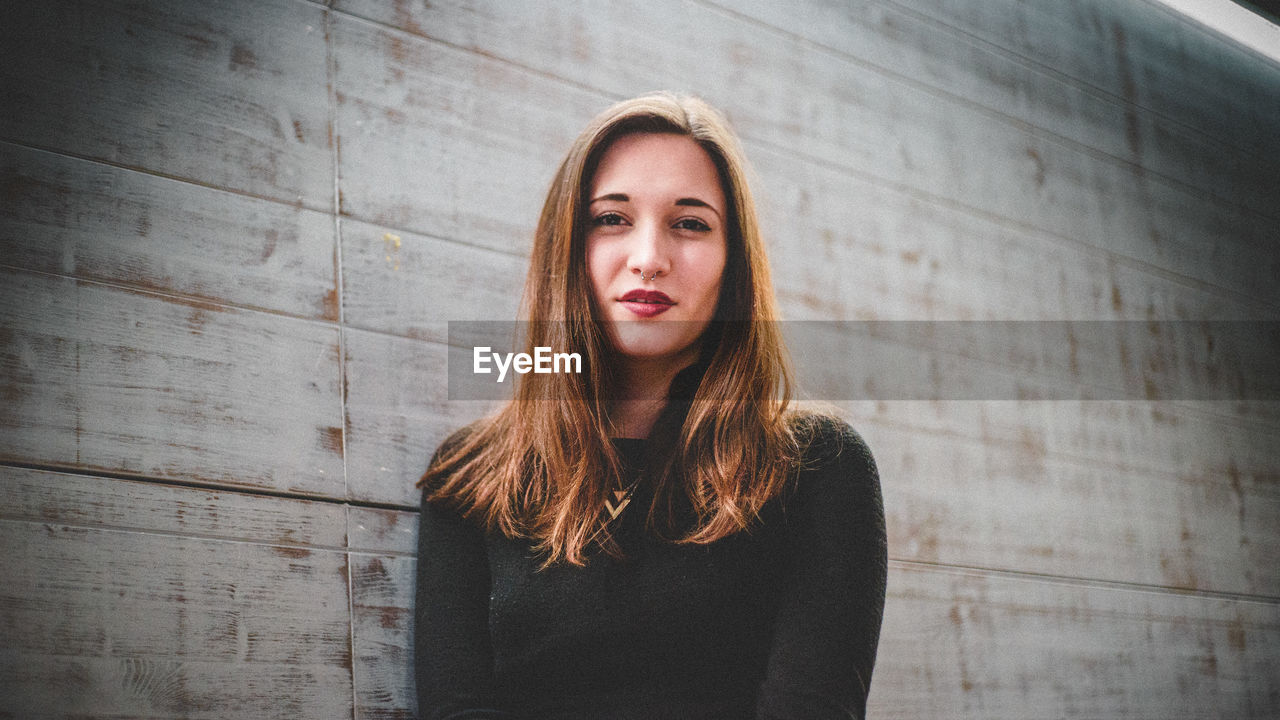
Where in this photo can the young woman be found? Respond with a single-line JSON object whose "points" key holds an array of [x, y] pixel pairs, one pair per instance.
{"points": [[662, 535]]}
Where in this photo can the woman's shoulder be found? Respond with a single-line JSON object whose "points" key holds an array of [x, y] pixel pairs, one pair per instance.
{"points": [[836, 486], [831, 446]]}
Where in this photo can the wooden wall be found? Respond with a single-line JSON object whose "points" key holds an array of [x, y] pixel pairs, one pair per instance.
{"points": [[232, 234]]}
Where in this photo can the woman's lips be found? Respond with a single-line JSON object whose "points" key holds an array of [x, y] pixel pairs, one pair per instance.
{"points": [[646, 303]]}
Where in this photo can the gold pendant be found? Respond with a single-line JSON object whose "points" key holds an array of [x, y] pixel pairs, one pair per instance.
{"points": [[623, 498]]}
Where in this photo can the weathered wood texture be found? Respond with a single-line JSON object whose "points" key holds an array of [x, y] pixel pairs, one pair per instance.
{"points": [[218, 93], [99, 222], [782, 90], [959, 643], [107, 378], [232, 236], [129, 599]]}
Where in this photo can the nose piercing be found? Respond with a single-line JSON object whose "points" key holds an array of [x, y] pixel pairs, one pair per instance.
{"points": [[651, 277]]}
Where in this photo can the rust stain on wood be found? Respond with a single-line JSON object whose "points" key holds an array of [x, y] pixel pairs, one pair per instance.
{"points": [[398, 52], [391, 618], [404, 18], [1035, 158], [1129, 90], [269, 249], [1237, 489], [199, 45], [1236, 635], [293, 553], [331, 439], [196, 320], [330, 304], [376, 568], [242, 58]]}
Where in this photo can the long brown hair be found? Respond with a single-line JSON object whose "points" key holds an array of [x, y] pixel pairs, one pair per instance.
{"points": [[542, 466]]}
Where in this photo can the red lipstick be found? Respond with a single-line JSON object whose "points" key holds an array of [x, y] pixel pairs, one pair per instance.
{"points": [[646, 303]]}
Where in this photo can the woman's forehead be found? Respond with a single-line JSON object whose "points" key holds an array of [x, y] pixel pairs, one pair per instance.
{"points": [[657, 166]]}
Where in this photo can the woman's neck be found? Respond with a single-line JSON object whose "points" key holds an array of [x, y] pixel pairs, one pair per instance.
{"points": [[643, 395]]}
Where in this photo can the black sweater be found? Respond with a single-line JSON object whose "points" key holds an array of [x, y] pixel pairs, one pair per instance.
{"points": [[779, 621]]}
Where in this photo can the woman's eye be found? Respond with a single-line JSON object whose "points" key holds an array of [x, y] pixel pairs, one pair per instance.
{"points": [[693, 224], [608, 219]]}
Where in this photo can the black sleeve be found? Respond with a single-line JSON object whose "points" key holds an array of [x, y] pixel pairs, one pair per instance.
{"points": [[453, 657], [828, 625]]}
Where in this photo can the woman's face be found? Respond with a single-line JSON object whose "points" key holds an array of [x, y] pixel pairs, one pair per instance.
{"points": [[656, 244]]}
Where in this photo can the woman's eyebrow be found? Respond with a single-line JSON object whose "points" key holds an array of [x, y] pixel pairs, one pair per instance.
{"points": [[620, 197], [687, 202], [695, 202]]}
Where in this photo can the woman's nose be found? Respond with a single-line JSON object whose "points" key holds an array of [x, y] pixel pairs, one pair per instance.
{"points": [[649, 252]]}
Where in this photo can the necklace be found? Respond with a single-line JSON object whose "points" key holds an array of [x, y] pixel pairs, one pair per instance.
{"points": [[621, 498]]}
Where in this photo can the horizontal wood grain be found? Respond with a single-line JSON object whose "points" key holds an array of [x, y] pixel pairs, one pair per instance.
{"points": [[845, 248], [1035, 360], [783, 92], [898, 40], [966, 644], [220, 93], [377, 530], [398, 412], [98, 222], [41, 686], [382, 620], [106, 622], [1143, 53], [967, 503], [1210, 439], [42, 496], [447, 143], [414, 285], [185, 602], [108, 379]]}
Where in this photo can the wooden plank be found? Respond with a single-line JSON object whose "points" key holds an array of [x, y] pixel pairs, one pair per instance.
{"points": [[43, 496], [1031, 360], [152, 622], [124, 381], [100, 222], [902, 43], [1147, 55], [447, 143], [844, 248], [964, 502], [221, 93], [379, 531], [784, 92], [382, 617], [413, 285], [382, 544], [398, 412], [1163, 438], [967, 644], [41, 686]]}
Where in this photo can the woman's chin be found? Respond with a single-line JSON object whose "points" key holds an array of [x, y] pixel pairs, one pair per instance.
{"points": [[647, 348]]}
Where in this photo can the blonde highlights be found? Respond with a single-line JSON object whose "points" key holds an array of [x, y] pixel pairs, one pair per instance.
{"points": [[542, 466]]}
